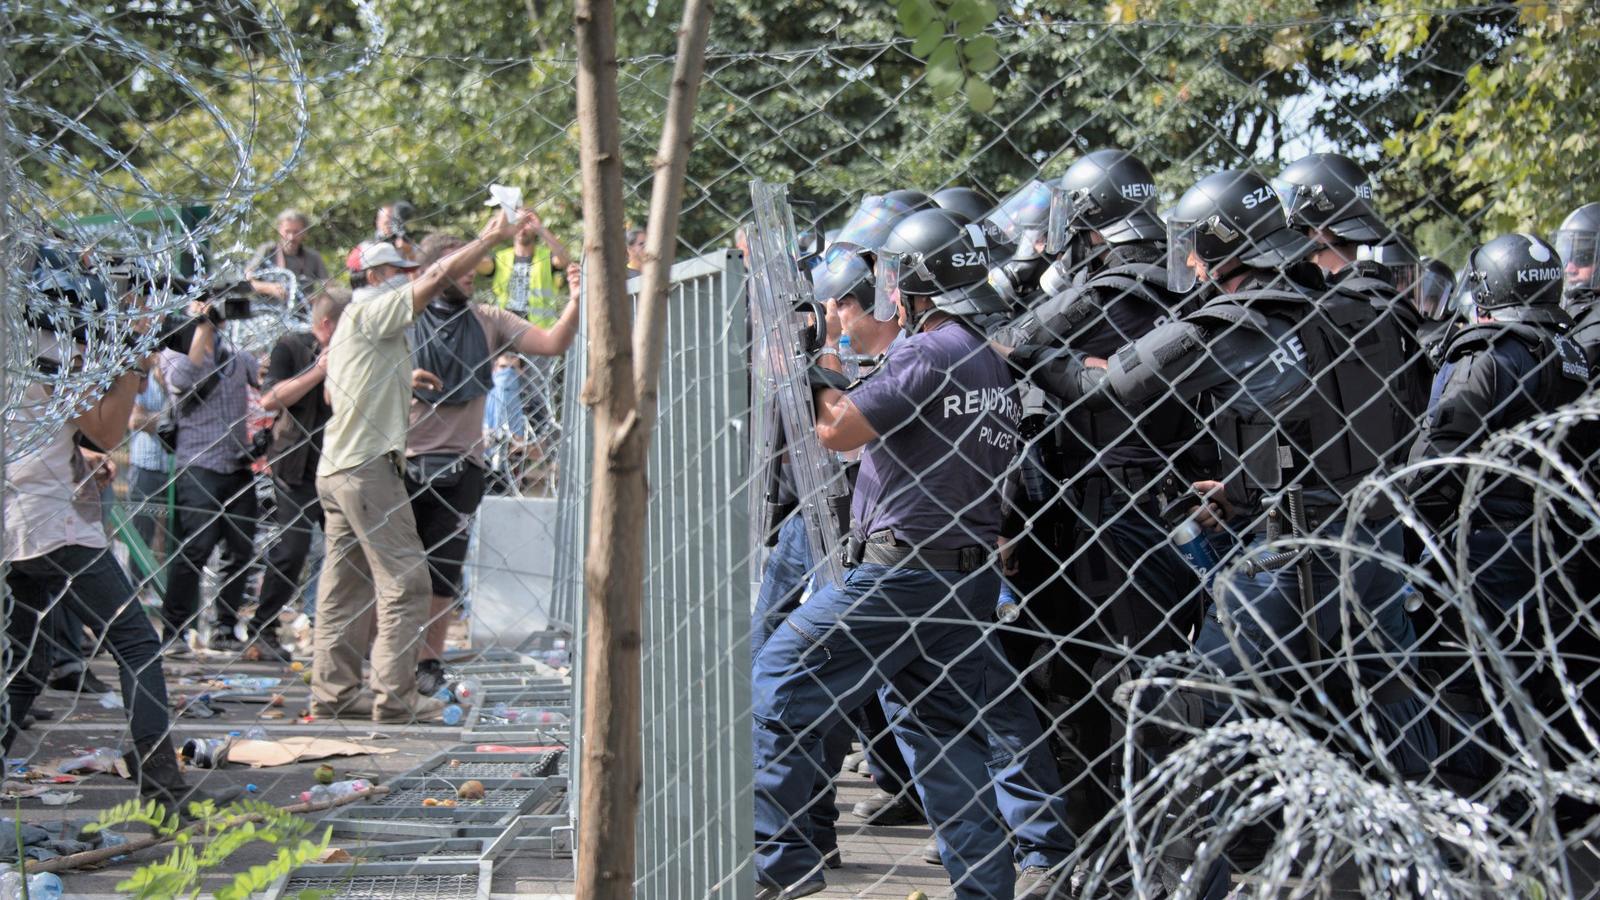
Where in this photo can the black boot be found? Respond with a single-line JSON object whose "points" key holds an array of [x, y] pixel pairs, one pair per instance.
{"points": [[156, 770]]}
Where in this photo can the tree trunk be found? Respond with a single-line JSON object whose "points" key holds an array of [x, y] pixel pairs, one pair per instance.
{"points": [[612, 766]]}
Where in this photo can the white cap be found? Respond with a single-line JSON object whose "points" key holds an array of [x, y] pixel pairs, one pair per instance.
{"points": [[383, 253]]}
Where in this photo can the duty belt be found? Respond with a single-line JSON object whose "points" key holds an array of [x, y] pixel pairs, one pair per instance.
{"points": [[880, 549]]}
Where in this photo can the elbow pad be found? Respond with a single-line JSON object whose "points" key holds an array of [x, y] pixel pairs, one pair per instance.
{"points": [[1151, 366]]}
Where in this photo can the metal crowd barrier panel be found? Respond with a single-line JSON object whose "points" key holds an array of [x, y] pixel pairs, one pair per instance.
{"points": [[695, 816]]}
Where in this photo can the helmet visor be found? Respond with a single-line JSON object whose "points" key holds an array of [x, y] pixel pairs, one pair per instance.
{"points": [[1578, 251], [1431, 295], [1181, 239], [872, 222], [1062, 214], [1404, 269], [886, 296], [1028, 207]]}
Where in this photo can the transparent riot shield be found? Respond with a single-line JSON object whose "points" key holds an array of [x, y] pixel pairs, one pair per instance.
{"points": [[785, 318]]}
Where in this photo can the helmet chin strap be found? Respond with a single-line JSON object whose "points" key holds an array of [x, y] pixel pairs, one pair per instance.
{"points": [[913, 320]]}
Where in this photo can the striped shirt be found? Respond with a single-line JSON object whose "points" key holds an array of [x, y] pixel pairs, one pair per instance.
{"points": [[214, 433]]}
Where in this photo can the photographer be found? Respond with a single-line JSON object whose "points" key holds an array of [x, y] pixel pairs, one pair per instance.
{"points": [[293, 391], [57, 551], [290, 254], [210, 384]]}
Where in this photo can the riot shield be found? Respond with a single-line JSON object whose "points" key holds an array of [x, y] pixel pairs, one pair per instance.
{"points": [[784, 316]]}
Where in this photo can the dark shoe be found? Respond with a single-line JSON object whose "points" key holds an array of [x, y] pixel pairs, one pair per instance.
{"points": [[155, 769], [430, 677], [178, 649], [1040, 883], [803, 889], [832, 859], [78, 682], [884, 808], [223, 641], [930, 853], [41, 713], [27, 723]]}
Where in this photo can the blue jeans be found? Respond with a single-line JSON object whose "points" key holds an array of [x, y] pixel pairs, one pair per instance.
{"points": [[1269, 625], [783, 583], [919, 633]]}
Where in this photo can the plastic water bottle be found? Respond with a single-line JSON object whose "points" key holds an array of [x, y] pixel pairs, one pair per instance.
{"points": [[45, 886], [112, 839], [328, 793], [1189, 539], [10, 883], [102, 759], [848, 361], [256, 733], [540, 716], [1411, 598], [452, 714], [1007, 609], [465, 689]]}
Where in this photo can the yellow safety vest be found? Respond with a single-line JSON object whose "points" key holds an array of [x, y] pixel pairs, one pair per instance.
{"points": [[542, 309]]}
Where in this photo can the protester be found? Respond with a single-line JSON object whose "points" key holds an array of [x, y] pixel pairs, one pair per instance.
{"points": [[455, 343], [374, 587]]}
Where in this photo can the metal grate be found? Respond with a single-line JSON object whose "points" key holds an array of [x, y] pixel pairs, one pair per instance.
{"points": [[389, 887]]}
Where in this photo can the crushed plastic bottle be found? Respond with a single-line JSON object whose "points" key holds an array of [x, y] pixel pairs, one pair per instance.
{"points": [[328, 793], [10, 883], [452, 714], [257, 733], [45, 886], [251, 682], [110, 838], [101, 759]]}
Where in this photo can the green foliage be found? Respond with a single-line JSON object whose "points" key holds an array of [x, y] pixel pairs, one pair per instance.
{"points": [[208, 848], [948, 34], [1513, 139]]}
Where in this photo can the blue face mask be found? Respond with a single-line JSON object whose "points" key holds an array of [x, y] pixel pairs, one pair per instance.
{"points": [[505, 379]]}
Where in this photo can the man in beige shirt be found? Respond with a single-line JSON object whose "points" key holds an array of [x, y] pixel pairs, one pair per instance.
{"points": [[374, 582], [454, 344]]}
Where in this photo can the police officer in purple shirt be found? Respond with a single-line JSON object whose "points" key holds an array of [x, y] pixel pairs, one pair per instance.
{"points": [[937, 422]]}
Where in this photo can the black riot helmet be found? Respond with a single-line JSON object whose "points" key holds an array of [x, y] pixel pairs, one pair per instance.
{"points": [[843, 273], [934, 254], [1401, 265], [1108, 191], [1018, 224], [964, 202], [1330, 192], [871, 221], [1230, 215], [1514, 270], [1577, 241]]}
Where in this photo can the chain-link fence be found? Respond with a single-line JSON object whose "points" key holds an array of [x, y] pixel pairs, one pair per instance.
{"points": [[1170, 475]]}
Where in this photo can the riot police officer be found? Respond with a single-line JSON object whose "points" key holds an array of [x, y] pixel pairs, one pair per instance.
{"points": [[1516, 361], [1290, 396], [1434, 298], [938, 423], [1578, 243], [963, 201], [1330, 198], [1114, 581]]}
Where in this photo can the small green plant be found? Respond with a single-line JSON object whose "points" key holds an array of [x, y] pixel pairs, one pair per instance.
{"points": [[206, 848]]}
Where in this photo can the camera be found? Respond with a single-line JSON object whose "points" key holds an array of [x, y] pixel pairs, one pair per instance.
{"points": [[230, 301]]}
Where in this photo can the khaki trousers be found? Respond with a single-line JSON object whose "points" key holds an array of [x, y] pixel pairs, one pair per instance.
{"points": [[374, 589]]}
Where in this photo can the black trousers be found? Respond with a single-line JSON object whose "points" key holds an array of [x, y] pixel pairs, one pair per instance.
{"points": [[296, 512], [213, 508], [91, 584]]}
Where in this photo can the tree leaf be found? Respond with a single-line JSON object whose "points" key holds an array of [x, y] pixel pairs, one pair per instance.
{"points": [[928, 40], [983, 53], [980, 96]]}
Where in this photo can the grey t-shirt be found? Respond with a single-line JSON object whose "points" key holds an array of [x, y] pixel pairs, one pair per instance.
{"points": [[946, 412]]}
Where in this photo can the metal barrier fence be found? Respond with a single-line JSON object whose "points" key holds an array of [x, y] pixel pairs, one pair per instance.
{"points": [[1368, 668]]}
